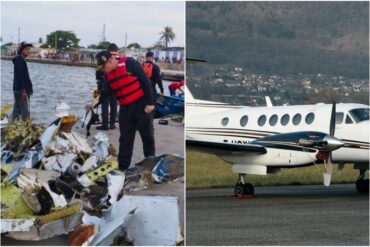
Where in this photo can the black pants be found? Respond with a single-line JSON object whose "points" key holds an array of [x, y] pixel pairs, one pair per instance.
{"points": [[111, 102], [132, 117], [21, 107]]}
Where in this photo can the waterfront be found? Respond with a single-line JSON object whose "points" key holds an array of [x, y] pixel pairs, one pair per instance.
{"points": [[53, 84]]}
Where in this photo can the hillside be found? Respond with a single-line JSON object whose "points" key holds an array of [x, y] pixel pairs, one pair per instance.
{"points": [[281, 37]]}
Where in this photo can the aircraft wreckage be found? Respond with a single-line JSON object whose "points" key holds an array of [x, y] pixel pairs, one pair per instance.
{"points": [[53, 183]]}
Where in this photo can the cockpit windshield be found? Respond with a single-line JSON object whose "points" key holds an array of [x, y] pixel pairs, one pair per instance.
{"points": [[360, 114]]}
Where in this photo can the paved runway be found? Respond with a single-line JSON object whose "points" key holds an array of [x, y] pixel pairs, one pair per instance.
{"points": [[284, 215]]}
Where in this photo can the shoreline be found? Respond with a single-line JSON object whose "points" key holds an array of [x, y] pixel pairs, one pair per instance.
{"points": [[173, 72]]}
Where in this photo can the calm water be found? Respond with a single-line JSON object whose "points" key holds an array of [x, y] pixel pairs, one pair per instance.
{"points": [[53, 84]]}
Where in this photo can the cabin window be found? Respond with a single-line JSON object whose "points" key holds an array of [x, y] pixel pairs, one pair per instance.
{"points": [[348, 120], [339, 116], [225, 121], [262, 120], [273, 120], [297, 119], [244, 120], [285, 119], [309, 118], [361, 114]]}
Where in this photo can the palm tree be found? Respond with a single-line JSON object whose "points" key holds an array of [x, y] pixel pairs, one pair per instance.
{"points": [[167, 35]]}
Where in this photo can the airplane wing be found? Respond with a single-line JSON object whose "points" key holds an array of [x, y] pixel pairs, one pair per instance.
{"points": [[224, 148]]}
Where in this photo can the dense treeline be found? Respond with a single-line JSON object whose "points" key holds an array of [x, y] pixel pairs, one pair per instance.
{"points": [[281, 37]]}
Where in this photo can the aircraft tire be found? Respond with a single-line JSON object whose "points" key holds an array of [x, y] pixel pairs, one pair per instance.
{"points": [[239, 189], [248, 189], [362, 185]]}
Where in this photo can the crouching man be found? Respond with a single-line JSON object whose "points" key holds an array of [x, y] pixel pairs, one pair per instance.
{"points": [[127, 80]]}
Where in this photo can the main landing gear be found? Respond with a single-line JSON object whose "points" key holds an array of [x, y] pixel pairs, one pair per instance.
{"points": [[362, 184], [242, 188]]}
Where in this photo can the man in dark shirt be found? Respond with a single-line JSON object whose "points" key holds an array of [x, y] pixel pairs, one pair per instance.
{"points": [[22, 85], [153, 72], [135, 96], [109, 101]]}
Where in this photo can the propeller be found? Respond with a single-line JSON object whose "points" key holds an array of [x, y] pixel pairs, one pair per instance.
{"points": [[328, 161]]}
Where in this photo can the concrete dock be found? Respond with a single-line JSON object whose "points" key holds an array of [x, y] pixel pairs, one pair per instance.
{"points": [[168, 72]]}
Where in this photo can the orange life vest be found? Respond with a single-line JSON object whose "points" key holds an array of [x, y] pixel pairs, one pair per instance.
{"points": [[148, 69], [127, 87]]}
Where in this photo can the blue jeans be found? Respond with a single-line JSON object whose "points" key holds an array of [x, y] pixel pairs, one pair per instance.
{"points": [[172, 92]]}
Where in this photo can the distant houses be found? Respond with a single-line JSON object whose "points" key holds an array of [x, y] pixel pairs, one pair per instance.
{"points": [[162, 55]]}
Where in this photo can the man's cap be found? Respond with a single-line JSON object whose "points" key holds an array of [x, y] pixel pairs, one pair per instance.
{"points": [[102, 58], [23, 45], [149, 54], [112, 47]]}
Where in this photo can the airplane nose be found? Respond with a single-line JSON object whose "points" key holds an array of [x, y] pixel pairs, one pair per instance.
{"points": [[332, 143]]}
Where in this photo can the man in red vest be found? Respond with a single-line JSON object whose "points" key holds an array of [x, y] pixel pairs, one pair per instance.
{"points": [[134, 93], [153, 72]]}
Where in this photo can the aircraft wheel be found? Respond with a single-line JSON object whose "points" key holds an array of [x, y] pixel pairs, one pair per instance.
{"points": [[362, 185], [239, 189], [248, 189]]}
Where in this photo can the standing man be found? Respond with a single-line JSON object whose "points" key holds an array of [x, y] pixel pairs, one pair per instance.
{"points": [[110, 101], [134, 93], [153, 72], [22, 85]]}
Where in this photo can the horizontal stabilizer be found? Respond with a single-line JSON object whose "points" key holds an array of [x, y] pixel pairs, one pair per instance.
{"points": [[195, 60]]}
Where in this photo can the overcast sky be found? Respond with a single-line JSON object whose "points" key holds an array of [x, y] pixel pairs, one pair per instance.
{"points": [[142, 21]]}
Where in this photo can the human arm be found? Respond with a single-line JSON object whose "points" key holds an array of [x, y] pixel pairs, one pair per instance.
{"points": [[135, 69], [158, 78]]}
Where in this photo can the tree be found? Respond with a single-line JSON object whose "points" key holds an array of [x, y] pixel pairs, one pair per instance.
{"points": [[134, 45], [167, 35], [6, 45], [157, 45], [92, 46], [40, 40], [103, 45], [64, 39]]}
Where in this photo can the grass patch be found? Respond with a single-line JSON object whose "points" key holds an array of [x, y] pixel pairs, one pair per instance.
{"points": [[209, 171]]}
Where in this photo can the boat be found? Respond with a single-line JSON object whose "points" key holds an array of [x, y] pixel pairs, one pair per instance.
{"points": [[168, 105]]}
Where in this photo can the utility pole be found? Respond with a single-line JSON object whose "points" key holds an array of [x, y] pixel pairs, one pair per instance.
{"points": [[55, 41], [103, 34], [125, 40], [19, 35]]}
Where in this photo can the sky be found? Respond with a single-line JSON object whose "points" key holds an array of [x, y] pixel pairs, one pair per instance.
{"points": [[142, 21]]}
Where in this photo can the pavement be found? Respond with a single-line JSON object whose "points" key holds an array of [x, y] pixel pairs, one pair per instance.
{"points": [[169, 140], [284, 215]]}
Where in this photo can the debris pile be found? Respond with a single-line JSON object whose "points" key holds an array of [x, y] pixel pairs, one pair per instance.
{"points": [[53, 182]]}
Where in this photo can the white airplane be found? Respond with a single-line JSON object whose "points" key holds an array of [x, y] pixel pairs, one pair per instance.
{"points": [[262, 140]]}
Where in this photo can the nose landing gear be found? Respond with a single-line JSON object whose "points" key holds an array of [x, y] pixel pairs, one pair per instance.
{"points": [[242, 188]]}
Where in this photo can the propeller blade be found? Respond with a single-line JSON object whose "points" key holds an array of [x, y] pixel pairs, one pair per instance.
{"points": [[332, 120], [328, 170]]}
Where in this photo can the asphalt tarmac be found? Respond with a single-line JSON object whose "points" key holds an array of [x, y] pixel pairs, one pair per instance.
{"points": [[284, 215]]}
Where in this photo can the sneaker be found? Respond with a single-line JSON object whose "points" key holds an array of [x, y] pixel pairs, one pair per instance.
{"points": [[102, 128], [112, 127]]}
